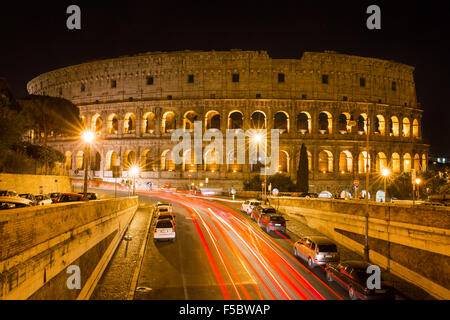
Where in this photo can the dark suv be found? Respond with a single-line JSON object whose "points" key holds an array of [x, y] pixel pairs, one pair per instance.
{"points": [[272, 222]]}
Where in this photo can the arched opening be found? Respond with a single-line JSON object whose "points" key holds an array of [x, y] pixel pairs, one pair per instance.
{"points": [[97, 123], [212, 119], [129, 159], [129, 124], [362, 124], [395, 162], [147, 161], [281, 122], [167, 163], [325, 161], [304, 122], [363, 194], [343, 123], [380, 162], [189, 162], [417, 162], [95, 166], [415, 128], [235, 120], [148, 123], [188, 120], [406, 162], [168, 122], [233, 165], [345, 162], [113, 124], [394, 126], [380, 196], [257, 161], [406, 127], [212, 160], [310, 167], [79, 160], [325, 122], [258, 119], [345, 194], [424, 162], [283, 162], [68, 162], [364, 162], [111, 160], [380, 125]]}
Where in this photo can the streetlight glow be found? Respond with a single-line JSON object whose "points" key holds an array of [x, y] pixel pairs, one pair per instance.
{"points": [[385, 172], [257, 138], [134, 170], [418, 181], [88, 136]]}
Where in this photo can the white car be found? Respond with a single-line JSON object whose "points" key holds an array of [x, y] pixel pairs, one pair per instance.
{"points": [[163, 206], [248, 205], [43, 199], [164, 230]]}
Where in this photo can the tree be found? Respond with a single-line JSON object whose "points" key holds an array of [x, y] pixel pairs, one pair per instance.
{"points": [[47, 115], [302, 172]]}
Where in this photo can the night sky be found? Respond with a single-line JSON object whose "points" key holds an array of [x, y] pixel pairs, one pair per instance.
{"points": [[34, 38]]}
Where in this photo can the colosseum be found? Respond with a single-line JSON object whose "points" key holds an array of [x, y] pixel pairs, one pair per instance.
{"points": [[354, 114]]}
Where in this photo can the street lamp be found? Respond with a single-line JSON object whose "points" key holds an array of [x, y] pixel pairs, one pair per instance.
{"points": [[134, 171], [418, 181], [88, 138], [257, 139], [385, 172]]}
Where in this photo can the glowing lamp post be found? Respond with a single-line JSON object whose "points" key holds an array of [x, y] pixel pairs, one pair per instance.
{"points": [[257, 139], [88, 138], [418, 181], [134, 171], [385, 173]]}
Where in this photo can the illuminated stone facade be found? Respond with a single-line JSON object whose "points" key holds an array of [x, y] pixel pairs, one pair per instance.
{"points": [[324, 100]]}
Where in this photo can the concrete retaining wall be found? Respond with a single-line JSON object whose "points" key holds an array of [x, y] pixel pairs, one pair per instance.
{"points": [[38, 244], [29, 183], [411, 242]]}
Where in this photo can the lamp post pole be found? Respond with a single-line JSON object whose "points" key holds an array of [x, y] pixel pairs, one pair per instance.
{"points": [[366, 237], [86, 168]]}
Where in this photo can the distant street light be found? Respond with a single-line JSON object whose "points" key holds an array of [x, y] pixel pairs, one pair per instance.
{"points": [[385, 172], [418, 181], [134, 171], [88, 138]]}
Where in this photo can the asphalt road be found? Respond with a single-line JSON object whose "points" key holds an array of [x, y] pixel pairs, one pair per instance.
{"points": [[219, 253]]}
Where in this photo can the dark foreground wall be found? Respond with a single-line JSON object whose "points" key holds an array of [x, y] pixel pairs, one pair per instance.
{"points": [[37, 245]]}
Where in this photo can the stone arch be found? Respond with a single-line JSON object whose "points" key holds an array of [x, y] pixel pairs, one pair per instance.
{"points": [[424, 162], [380, 125], [304, 122], [129, 159], [212, 160], [415, 128], [113, 124], [97, 124], [325, 161], [325, 194], [406, 162], [281, 121], [68, 162], [361, 123], [111, 160], [189, 118], [235, 120], [394, 126], [189, 161], [395, 162], [258, 120], [79, 160], [147, 161], [95, 166], [363, 162], [129, 123], [167, 163], [345, 194], [212, 120], [148, 123], [345, 162], [406, 132], [417, 162], [283, 162], [380, 162], [168, 122], [232, 164], [343, 123], [380, 196], [325, 122]]}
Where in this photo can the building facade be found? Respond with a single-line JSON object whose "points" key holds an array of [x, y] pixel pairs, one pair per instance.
{"points": [[331, 102]]}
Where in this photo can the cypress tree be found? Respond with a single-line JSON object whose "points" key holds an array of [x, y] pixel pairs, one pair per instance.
{"points": [[302, 172]]}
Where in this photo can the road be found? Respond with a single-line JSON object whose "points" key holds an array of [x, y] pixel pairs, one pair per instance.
{"points": [[219, 253]]}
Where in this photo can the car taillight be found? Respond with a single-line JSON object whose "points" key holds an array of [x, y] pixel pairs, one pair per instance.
{"points": [[317, 250]]}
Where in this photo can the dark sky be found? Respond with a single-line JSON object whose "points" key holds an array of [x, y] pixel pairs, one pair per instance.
{"points": [[34, 38]]}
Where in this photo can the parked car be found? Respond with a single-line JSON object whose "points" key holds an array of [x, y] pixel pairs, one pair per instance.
{"points": [[248, 205], [14, 202], [69, 197], [8, 193], [43, 199], [54, 196], [30, 197], [316, 250], [308, 195], [90, 195], [164, 230], [164, 213], [165, 206], [272, 222], [259, 211], [352, 275]]}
